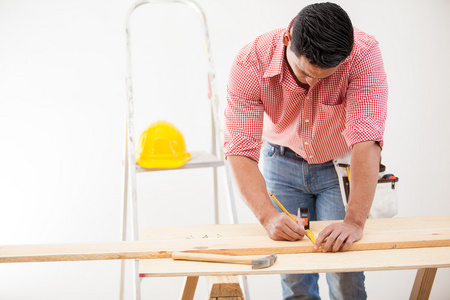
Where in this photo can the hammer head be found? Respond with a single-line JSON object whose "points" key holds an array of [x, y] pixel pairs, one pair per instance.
{"points": [[264, 262]]}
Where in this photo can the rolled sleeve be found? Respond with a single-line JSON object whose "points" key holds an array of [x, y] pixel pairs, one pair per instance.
{"points": [[244, 113], [367, 98]]}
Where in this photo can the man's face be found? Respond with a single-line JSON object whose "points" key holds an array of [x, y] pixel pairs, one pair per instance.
{"points": [[304, 71]]}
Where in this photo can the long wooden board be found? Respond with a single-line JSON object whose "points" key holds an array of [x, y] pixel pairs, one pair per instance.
{"points": [[255, 229], [238, 239], [350, 261]]}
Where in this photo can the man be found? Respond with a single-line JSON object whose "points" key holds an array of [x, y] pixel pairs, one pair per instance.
{"points": [[321, 89]]}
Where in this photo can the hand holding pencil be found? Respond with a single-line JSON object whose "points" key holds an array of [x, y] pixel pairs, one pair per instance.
{"points": [[309, 233]]}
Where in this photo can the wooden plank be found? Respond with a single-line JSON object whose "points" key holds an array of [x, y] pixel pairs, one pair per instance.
{"points": [[203, 231], [224, 286], [189, 287], [423, 284], [229, 246], [386, 234], [350, 261], [256, 229], [405, 223]]}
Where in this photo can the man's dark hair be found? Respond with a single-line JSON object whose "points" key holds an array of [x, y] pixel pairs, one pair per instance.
{"points": [[323, 33]]}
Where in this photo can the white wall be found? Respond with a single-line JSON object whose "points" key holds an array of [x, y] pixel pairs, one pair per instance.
{"points": [[62, 91]]}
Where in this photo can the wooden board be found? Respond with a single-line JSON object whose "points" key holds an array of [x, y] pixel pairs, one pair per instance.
{"points": [[301, 263], [350, 261], [256, 229], [238, 239]]}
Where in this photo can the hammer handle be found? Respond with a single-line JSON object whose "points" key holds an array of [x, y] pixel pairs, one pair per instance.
{"points": [[176, 255]]}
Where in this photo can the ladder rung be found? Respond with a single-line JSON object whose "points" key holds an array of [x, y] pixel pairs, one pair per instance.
{"points": [[199, 159]]}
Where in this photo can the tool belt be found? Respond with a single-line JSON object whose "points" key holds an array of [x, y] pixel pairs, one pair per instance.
{"points": [[385, 202]]}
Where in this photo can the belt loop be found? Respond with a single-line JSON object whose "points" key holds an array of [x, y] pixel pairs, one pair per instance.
{"points": [[282, 150]]}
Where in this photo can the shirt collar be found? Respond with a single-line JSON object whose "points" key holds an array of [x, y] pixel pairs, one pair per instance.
{"points": [[276, 64]]}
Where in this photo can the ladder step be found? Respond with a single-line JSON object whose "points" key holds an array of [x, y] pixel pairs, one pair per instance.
{"points": [[199, 159]]}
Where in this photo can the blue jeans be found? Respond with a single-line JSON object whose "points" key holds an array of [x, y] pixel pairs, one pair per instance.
{"points": [[296, 184]]}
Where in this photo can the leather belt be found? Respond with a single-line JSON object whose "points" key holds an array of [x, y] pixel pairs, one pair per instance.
{"points": [[284, 149]]}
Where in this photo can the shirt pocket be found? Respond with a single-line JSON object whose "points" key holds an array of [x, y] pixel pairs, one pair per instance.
{"points": [[332, 115], [332, 99]]}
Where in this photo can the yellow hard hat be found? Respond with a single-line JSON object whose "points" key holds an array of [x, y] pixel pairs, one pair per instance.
{"points": [[161, 146]]}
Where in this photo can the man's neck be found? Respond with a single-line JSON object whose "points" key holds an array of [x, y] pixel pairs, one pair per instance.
{"points": [[300, 84]]}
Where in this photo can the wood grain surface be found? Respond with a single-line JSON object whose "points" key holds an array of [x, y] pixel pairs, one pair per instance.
{"points": [[236, 239]]}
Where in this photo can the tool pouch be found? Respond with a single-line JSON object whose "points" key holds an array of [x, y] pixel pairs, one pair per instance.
{"points": [[385, 202]]}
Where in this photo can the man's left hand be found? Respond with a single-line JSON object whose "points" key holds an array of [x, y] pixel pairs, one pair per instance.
{"points": [[338, 237]]}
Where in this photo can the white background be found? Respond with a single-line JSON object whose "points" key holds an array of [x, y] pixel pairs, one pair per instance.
{"points": [[62, 109]]}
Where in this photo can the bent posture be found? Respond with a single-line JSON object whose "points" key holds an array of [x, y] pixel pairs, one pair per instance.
{"points": [[315, 91]]}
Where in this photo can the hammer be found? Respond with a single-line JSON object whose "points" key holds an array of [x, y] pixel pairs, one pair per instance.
{"points": [[259, 263]]}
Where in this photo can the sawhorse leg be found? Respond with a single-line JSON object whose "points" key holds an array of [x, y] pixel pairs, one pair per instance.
{"points": [[220, 287], [190, 284], [423, 284]]}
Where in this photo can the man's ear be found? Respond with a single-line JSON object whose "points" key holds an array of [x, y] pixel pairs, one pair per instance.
{"points": [[286, 38]]}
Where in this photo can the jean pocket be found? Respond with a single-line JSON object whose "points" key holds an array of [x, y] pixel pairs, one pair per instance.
{"points": [[270, 151]]}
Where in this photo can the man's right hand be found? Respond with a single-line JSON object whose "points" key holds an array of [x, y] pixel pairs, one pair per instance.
{"points": [[252, 186], [280, 226]]}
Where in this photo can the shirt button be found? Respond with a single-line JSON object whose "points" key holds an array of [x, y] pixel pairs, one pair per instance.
{"points": [[311, 156], [307, 120], [306, 143]]}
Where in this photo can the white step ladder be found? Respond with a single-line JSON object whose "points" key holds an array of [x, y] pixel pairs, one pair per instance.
{"points": [[213, 159]]}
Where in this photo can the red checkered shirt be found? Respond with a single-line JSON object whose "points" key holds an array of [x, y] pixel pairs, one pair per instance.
{"points": [[320, 124]]}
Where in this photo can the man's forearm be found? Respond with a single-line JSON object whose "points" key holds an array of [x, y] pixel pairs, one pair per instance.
{"points": [[252, 186], [364, 168]]}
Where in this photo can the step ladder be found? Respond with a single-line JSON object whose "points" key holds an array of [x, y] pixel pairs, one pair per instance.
{"points": [[213, 159]]}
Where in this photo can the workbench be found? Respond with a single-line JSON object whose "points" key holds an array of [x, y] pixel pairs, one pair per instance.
{"points": [[421, 243], [403, 243]]}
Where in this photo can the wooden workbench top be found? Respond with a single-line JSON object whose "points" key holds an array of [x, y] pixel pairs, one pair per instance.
{"points": [[388, 236], [236, 239]]}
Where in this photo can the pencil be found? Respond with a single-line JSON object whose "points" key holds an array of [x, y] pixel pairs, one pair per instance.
{"points": [[282, 207]]}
